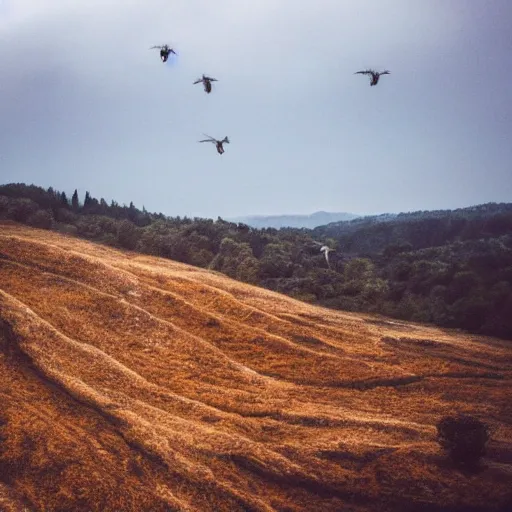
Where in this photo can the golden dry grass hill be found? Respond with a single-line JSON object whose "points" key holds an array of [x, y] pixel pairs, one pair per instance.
{"points": [[133, 383]]}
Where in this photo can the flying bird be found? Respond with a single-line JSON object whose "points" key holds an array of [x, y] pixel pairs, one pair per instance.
{"points": [[207, 82], [326, 250], [218, 143], [375, 75], [165, 51]]}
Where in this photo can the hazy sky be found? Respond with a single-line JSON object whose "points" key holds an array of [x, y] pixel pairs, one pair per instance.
{"points": [[84, 103]]}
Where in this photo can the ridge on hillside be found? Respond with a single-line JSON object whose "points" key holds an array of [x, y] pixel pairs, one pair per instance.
{"points": [[131, 382], [443, 226]]}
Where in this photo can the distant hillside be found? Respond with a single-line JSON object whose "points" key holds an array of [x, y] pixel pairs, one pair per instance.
{"points": [[450, 268], [421, 229], [132, 383], [293, 221]]}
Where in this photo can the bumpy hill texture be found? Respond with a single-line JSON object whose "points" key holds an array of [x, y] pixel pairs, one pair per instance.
{"points": [[134, 383]]}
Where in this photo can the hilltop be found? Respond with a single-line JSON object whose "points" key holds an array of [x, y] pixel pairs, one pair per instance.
{"points": [[374, 234], [131, 382]]}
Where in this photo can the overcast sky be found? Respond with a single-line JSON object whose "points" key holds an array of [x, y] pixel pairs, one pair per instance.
{"points": [[85, 104]]}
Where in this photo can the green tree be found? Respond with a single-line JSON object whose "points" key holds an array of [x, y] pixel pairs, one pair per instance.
{"points": [[359, 269], [20, 210], [464, 438], [127, 234], [41, 219], [276, 261], [64, 200], [132, 212], [462, 284], [74, 201]]}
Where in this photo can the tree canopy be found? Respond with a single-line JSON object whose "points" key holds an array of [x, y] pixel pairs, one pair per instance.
{"points": [[452, 268]]}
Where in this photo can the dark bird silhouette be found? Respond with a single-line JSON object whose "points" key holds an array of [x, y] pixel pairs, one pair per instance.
{"points": [[165, 51], [218, 143], [207, 82], [375, 75]]}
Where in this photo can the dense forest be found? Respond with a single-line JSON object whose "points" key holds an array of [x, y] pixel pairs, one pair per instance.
{"points": [[452, 267]]}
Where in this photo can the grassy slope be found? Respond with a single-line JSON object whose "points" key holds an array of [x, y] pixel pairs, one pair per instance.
{"points": [[136, 383]]}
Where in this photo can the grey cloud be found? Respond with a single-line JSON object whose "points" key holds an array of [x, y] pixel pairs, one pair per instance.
{"points": [[84, 103]]}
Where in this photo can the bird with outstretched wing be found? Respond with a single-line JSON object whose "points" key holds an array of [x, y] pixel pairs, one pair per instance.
{"points": [[165, 51], [207, 82], [326, 250], [375, 75], [218, 143]]}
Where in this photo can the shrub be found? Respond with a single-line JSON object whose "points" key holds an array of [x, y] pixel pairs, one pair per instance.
{"points": [[66, 216], [464, 437], [109, 239], [20, 210], [66, 228], [276, 261], [127, 234], [41, 219], [4, 204]]}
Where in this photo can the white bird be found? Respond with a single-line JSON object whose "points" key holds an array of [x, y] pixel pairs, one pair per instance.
{"points": [[326, 250], [217, 143], [207, 81]]}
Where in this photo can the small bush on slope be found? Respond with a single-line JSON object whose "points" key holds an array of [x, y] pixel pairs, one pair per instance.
{"points": [[464, 437]]}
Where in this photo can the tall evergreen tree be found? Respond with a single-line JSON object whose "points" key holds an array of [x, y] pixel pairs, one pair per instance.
{"points": [[104, 208], [64, 200], [74, 201], [132, 212]]}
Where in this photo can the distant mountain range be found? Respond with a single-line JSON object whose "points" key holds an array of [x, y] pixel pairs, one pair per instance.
{"points": [[294, 221]]}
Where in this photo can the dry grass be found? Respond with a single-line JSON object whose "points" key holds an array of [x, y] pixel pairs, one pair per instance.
{"points": [[135, 383]]}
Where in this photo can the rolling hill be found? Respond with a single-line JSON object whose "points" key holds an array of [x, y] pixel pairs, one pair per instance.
{"points": [[452, 268], [131, 382], [422, 229]]}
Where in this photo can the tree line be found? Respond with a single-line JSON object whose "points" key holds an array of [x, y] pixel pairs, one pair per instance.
{"points": [[452, 268]]}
